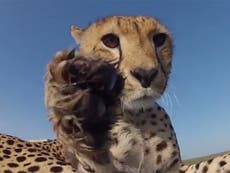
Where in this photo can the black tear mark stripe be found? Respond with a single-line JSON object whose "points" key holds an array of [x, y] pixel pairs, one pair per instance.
{"points": [[120, 56], [160, 62]]}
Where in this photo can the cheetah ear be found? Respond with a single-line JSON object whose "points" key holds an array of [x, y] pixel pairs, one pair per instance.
{"points": [[76, 33]]}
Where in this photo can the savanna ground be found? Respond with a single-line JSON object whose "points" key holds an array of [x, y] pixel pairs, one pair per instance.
{"points": [[200, 159]]}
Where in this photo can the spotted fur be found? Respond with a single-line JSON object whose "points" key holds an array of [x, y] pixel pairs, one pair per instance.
{"points": [[19, 156], [218, 164]]}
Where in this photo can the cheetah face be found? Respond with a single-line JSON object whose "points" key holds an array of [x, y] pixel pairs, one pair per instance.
{"points": [[140, 46]]}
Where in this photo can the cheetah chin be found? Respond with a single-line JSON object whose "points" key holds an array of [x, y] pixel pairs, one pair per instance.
{"points": [[143, 99]]}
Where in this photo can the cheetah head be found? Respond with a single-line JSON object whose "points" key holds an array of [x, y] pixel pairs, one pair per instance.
{"points": [[140, 46]]}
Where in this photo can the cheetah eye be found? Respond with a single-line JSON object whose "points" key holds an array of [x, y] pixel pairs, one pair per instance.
{"points": [[110, 40], [159, 39]]}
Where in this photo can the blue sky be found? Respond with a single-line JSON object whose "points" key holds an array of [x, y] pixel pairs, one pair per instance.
{"points": [[197, 97]]}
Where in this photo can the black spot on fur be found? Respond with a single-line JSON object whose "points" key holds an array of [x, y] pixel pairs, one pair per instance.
{"points": [[205, 169], [56, 169], [222, 163], [45, 153], [33, 168], [7, 171], [10, 142], [40, 159], [27, 164], [32, 150], [161, 146], [6, 156], [197, 166], [21, 158], [147, 150], [210, 161], [12, 165], [159, 159], [8, 152], [21, 172], [18, 150], [20, 145], [61, 163], [29, 145]]}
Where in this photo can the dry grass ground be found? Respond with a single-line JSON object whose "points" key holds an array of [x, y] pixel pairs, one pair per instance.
{"points": [[200, 159]]}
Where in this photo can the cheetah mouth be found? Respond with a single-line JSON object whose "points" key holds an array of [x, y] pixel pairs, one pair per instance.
{"points": [[141, 94], [143, 98]]}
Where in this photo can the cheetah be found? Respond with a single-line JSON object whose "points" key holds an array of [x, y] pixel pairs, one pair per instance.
{"points": [[143, 140], [136, 134], [19, 156]]}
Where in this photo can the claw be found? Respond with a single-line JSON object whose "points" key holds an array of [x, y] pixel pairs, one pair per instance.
{"points": [[71, 54]]}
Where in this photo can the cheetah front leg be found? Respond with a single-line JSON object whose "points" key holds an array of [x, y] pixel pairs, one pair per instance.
{"points": [[80, 95]]}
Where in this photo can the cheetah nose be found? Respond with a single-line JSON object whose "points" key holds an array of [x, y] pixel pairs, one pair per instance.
{"points": [[144, 76]]}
